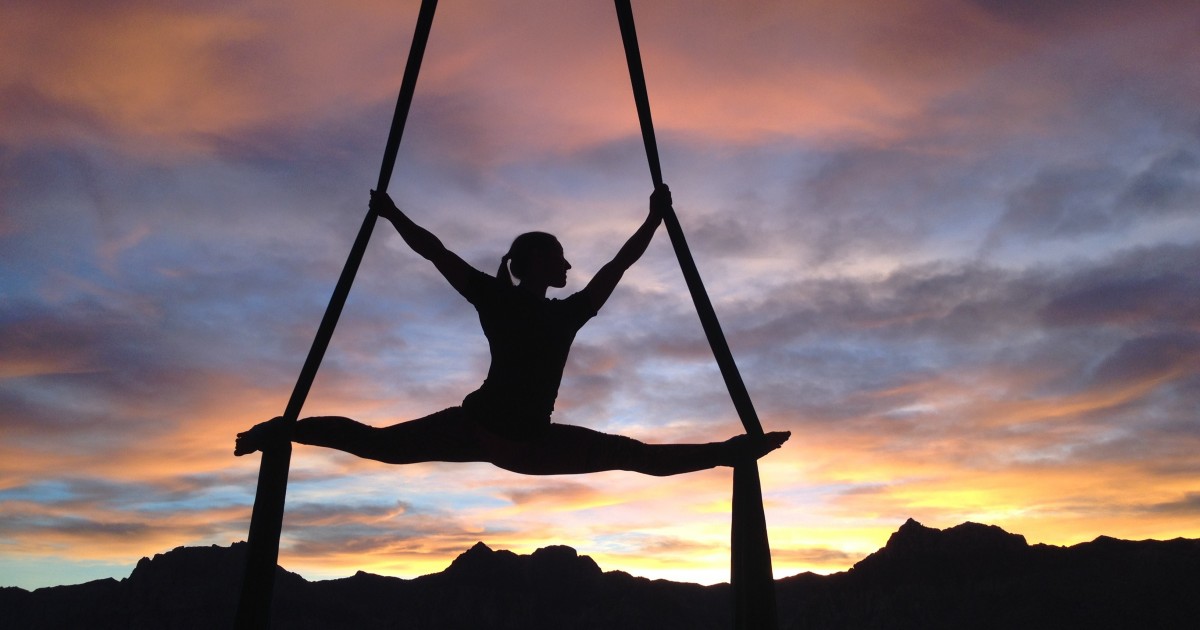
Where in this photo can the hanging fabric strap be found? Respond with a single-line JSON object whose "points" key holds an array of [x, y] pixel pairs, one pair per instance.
{"points": [[262, 554], [751, 578]]}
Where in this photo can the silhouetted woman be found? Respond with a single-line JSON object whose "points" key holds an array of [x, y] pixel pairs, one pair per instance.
{"points": [[507, 420]]}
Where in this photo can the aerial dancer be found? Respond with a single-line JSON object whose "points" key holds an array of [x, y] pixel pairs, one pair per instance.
{"points": [[507, 420]]}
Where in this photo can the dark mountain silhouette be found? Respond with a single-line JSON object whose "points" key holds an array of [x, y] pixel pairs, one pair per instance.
{"points": [[968, 576], [980, 576]]}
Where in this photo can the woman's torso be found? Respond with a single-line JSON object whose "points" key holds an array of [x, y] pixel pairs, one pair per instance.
{"points": [[530, 338]]}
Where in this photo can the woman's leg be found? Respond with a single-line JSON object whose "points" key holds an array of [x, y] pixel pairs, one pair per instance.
{"points": [[445, 436], [565, 449], [449, 436]]}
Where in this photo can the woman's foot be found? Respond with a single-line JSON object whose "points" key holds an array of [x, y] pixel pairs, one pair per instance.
{"points": [[262, 436], [747, 448]]}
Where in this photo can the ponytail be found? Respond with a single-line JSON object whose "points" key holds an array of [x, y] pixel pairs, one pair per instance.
{"points": [[503, 274]]}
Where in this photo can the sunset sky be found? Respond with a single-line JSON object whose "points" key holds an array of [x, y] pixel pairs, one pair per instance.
{"points": [[954, 245]]}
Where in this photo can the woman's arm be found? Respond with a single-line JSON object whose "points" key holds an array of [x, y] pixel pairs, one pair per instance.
{"points": [[456, 271], [605, 280]]}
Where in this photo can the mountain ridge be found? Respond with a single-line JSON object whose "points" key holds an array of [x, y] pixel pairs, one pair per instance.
{"points": [[969, 575]]}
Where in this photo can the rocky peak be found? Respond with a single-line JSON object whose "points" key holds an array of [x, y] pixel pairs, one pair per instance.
{"points": [[556, 562], [915, 538], [917, 549]]}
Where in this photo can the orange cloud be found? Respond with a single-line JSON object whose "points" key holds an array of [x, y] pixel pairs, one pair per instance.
{"points": [[535, 77]]}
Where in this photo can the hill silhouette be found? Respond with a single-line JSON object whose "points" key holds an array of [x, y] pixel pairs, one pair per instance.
{"points": [[968, 576]]}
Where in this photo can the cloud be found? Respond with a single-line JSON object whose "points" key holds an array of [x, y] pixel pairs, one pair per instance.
{"points": [[1033, 14], [1169, 184], [822, 557], [322, 530], [1068, 202], [1188, 505], [1164, 299], [573, 494], [1062, 204], [1151, 360], [132, 68]]}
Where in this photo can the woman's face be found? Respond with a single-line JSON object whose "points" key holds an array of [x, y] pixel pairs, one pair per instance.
{"points": [[550, 265]]}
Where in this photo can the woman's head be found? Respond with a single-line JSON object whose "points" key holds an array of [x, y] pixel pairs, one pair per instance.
{"points": [[535, 257]]}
